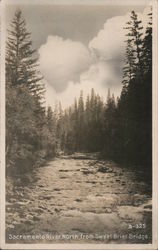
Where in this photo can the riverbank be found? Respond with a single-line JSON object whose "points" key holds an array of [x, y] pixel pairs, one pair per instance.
{"points": [[80, 195]]}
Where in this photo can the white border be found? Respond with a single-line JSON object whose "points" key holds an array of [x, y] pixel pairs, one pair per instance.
{"points": [[80, 2], [154, 244], [2, 122], [155, 123]]}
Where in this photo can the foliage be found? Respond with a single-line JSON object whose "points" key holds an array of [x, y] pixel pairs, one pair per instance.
{"points": [[135, 103], [121, 130], [29, 134]]}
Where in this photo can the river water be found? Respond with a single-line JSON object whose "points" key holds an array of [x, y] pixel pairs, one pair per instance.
{"points": [[79, 200]]}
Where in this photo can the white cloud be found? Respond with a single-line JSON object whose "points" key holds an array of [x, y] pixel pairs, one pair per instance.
{"points": [[62, 61], [110, 41], [99, 76], [73, 90], [69, 67]]}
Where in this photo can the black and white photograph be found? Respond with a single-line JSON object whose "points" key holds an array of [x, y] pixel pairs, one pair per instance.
{"points": [[78, 123]]}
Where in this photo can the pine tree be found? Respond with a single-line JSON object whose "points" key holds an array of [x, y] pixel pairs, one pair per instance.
{"points": [[49, 141], [81, 104], [50, 118], [129, 70], [92, 99], [135, 103], [147, 46], [21, 64], [133, 70], [75, 108], [134, 45], [80, 127], [26, 125]]}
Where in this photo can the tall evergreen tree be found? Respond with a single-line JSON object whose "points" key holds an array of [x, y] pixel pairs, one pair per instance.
{"points": [[27, 126], [134, 44], [147, 45], [134, 105], [21, 64]]}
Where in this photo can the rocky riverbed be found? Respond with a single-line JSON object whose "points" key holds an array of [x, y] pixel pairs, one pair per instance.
{"points": [[79, 199]]}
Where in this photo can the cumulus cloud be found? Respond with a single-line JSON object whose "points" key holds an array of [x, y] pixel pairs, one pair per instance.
{"points": [[99, 76], [72, 91], [69, 67], [109, 42], [62, 61], [102, 73]]}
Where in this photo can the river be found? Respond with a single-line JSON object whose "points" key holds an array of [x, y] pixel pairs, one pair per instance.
{"points": [[93, 201]]}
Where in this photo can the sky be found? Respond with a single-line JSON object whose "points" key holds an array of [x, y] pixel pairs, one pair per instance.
{"points": [[79, 47]]}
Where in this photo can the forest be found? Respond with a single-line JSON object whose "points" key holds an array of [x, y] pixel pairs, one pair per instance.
{"points": [[120, 129]]}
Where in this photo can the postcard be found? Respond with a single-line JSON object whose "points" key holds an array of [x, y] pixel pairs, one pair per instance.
{"points": [[79, 118]]}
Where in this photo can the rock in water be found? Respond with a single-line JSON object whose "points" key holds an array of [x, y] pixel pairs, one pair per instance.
{"points": [[104, 169]]}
